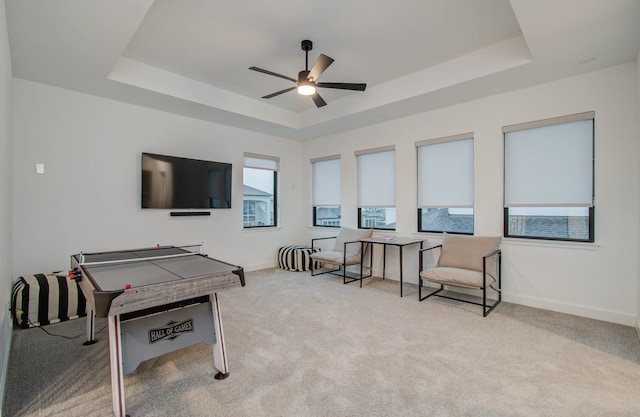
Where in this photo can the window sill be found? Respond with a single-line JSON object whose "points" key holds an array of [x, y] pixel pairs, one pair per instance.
{"points": [[261, 229], [510, 241]]}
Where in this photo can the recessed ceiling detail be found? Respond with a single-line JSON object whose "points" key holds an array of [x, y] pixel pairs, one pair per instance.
{"points": [[191, 57]]}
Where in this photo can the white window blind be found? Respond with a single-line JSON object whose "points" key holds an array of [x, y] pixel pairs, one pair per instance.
{"points": [[549, 165], [445, 172], [377, 177], [261, 162], [326, 181]]}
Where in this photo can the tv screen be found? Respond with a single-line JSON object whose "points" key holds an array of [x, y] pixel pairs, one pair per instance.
{"points": [[171, 182]]}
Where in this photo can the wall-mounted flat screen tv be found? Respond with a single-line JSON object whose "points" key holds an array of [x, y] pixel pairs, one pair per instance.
{"points": [[171, 182]]}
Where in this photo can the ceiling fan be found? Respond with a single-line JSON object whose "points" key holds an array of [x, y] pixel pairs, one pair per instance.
{"points": [[306, 83]]}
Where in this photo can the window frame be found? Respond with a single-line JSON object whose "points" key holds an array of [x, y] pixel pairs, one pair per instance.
{"points": [[276, 198], [590, 225], [469, 136], [363, 226], [315, 217], [360, 205], [314, 204]]}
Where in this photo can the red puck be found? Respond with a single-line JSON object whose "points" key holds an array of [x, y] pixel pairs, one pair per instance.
{"points": [[127, 286]]}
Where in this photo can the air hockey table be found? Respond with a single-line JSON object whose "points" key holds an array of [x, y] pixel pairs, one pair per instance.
{"points": [[156, 300]]}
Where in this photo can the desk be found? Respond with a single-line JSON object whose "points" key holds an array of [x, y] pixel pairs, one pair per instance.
{"points": [[157, 300], [400, 242]]}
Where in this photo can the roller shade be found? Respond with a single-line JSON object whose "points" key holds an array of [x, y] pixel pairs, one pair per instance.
{"points": [[549, 165], [326, 182], [377, 178], [445, 173]]}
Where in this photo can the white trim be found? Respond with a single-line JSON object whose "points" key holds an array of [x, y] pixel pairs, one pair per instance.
{"points": [[250, 161], [508, 241], [444, 139], [376, 150], [325, 158], [570, 308], [550, 122]]}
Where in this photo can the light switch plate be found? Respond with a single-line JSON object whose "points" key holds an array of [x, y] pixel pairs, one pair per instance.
{"points": [[39, 168]]}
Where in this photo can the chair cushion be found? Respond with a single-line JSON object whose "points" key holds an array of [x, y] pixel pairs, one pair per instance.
{"points": [[349, 235], [456, 276], [335, 257], [467, 251]]}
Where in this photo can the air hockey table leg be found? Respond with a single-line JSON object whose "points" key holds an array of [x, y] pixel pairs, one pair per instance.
{"points": [[219, 350], [91, 326], [115, 357]]}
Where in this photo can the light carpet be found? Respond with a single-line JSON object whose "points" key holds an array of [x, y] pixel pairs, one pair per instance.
{"points": [[310, 346]]}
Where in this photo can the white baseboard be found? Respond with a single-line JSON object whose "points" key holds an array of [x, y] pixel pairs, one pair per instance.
{"points": [[258, 267], [545, 304], [574, 309]]}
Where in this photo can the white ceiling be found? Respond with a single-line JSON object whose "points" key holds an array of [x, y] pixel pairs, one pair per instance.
{"points": [[191, 57]]}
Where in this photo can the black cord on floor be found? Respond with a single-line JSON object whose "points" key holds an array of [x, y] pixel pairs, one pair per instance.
{"points": [[61, 335]]}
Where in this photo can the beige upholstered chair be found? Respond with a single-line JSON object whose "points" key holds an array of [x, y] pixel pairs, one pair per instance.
{"points": [[347, 250], [468, 262]]}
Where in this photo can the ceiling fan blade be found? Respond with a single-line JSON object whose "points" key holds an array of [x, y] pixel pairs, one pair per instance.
{"points": [[264, 71], [318, 100], [322, 63], [343, 86], [277, 93]]}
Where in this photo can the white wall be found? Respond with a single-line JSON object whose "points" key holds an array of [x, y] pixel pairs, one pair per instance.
{"points": [[597, 280], [638, 254], [6, 252], [89, 197]]}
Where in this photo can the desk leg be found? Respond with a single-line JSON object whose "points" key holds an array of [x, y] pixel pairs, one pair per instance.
{"points": [[115, 356], [384, 260], [401, 268], [219, 350]]}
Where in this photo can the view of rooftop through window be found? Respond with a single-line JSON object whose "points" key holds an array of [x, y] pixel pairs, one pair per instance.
{"points": [[453, 220], [328, 216], [378, 218], [567, 223], [258, 205]]}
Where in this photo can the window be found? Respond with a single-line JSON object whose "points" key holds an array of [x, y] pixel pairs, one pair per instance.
{"points": [[326, 191], [260, 191], [548, 179], [377, 188], [445, 184]]}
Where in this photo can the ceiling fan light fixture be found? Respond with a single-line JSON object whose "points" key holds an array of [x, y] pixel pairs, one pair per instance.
{"points": [[306, 89], [305, 86], [307, 82]]}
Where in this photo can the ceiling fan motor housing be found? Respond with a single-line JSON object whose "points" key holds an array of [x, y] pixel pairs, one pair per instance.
{"points": [[303, 76]]}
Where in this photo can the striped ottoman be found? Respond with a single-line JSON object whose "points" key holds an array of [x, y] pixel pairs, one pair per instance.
{"points": [[40, 299], [296, 258]]}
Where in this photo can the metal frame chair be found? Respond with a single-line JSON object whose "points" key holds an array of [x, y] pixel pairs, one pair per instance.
{"points": [[496, 277], [347, 258]]}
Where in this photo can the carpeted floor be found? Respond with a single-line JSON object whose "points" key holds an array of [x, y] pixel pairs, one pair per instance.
{"points": [[302, 346]]}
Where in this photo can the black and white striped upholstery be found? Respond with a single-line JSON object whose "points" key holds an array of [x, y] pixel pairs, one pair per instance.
{"points": [[296, 258], [40, 299]]}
